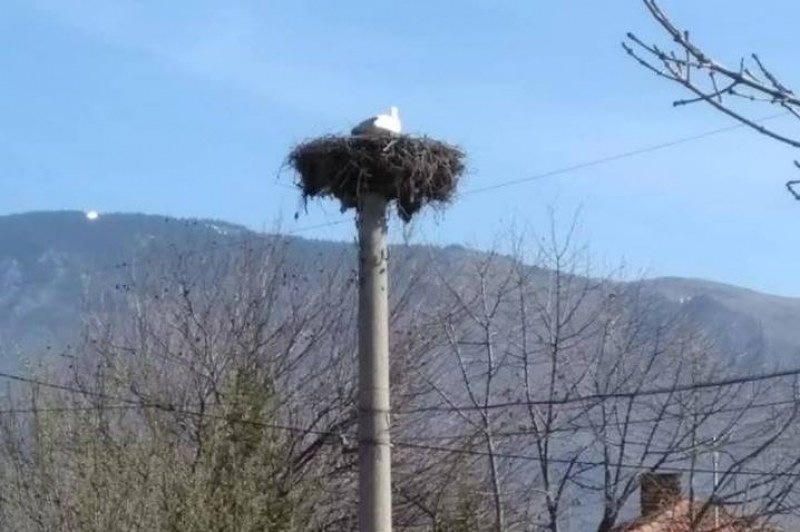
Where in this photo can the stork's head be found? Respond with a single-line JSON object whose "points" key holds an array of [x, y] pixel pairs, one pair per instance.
{"points": [[393, 112]]}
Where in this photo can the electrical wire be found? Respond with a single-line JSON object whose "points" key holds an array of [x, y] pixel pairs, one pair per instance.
{"points": [[513, 182], [731, 381], [337, 437]]}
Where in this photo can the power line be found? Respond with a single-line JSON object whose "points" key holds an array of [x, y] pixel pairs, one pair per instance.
{"points": [[125, 263], [136, 404], [666, 419], [514, 182], [66, 409], [585, 463], [597, 397], [319, 225], [63, 387], [731, 381], [616, 157], [131, 404], [232, 244], [338, 435], [568, 428], [401, 444]]}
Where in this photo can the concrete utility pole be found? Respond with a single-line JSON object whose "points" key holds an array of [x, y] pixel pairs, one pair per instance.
{"points": [[369, 170], [374, 453]]}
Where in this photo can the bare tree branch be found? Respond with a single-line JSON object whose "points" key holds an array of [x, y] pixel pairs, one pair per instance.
{"points": [[712, 82]]}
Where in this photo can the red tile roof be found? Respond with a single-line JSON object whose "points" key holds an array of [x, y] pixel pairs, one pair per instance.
{"points": [[680, 517]]}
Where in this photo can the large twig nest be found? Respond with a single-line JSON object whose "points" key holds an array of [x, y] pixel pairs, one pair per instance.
{"points": [[411, 171]]}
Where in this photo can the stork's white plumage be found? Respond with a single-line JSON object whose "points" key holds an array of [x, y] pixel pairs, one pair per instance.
{"points": [[380, 125]]}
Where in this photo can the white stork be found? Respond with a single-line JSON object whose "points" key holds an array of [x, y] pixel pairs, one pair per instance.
{"points": [[380, 125]]}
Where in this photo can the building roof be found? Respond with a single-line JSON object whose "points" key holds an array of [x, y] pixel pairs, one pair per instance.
{"points": [[680, 518]]}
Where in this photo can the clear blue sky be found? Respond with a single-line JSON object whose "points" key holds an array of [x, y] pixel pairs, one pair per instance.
{"points": [[188, 108]]}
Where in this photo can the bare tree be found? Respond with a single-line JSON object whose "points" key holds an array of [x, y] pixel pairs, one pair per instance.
{"points": [[558, 389], [511, 333], [680, 427], [727, 89], [216, 392], [218, 387], [220, 396]]}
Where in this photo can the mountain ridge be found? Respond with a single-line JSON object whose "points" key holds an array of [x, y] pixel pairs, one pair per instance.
{"points": [[48, 258]]}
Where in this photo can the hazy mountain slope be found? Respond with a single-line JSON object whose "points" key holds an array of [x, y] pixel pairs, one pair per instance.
{"points": [[49, 261], [778, 317]]}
